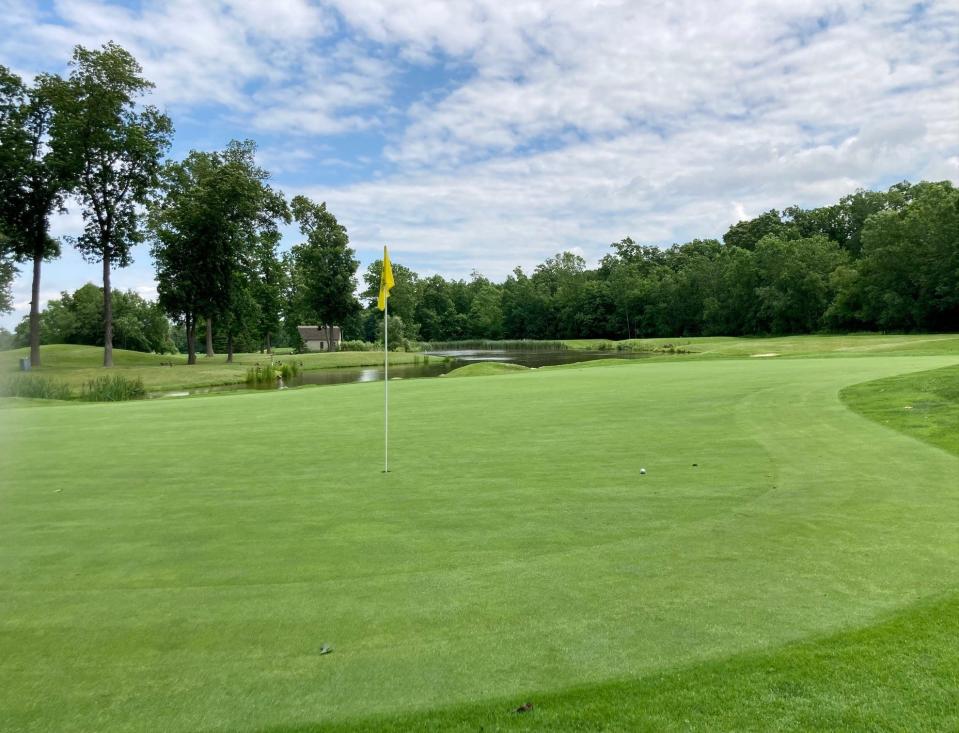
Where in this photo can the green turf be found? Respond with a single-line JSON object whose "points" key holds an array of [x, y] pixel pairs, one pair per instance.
{"points": [[925, 405], [178, 565], [76, 365], [486, 369], [901, 673], [785, 346]]}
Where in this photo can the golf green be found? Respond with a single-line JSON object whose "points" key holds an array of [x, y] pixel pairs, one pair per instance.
{"points": [[178, 565]]}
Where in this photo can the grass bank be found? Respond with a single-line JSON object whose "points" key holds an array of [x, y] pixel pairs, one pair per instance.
{"points": [[924, 405], [75, 366], [789, 346]]}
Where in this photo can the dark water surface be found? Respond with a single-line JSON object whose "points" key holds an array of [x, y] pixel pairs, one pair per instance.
{"points": [[535, 359], [446, 362]]}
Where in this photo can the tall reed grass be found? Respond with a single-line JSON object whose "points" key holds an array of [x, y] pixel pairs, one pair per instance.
{"points": [[288, 370], [114, 388], [261, 376], [35, 387], [636, 345]]}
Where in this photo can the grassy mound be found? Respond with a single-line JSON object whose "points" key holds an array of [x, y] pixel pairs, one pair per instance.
{"points": [[485, 369], [72, 356]]}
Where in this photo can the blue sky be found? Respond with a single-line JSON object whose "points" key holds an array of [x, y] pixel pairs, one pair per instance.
{"points": [[480, 135]]}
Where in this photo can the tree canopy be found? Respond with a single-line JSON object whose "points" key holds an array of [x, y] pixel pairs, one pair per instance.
{"points": [[322, 270], [116, 148], [213, 225], [33, 182]]}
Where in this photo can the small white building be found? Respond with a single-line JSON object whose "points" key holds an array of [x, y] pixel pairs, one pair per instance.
{"points": [[319, 338]]}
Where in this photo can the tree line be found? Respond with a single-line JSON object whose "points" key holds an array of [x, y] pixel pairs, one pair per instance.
{"points": [[875, 260], [212, 219]]}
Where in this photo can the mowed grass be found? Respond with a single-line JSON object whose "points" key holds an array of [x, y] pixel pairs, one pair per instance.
{"points": [[178, 565], [486, 369], [809, 346], [925, 405], [901, 673], [76, 365]]}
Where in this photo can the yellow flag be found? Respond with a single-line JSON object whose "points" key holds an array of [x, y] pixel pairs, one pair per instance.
{"points": [[386, 281]]}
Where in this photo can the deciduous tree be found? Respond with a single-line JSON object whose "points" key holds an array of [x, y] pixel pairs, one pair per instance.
{"points": [[323, 277], [116, 146], [33, 181], [208, 225]]}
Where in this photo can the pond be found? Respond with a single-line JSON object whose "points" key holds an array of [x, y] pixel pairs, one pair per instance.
{"points": [[535, 359], [445, 362]]}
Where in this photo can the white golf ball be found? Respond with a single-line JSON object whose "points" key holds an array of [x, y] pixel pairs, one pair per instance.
{"points": [[642, 471]]}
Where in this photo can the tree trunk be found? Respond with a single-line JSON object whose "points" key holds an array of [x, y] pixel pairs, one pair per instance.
{"points": [[209, 337], [269, 343], [190, 339], [229, 348], [35, 309], [329, 338], [107, 313]]}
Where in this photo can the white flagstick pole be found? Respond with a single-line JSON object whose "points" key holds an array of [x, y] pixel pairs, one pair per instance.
{"points": [[386, 385]]}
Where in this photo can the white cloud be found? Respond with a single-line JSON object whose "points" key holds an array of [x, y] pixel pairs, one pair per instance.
{"points": [[559, 125]]}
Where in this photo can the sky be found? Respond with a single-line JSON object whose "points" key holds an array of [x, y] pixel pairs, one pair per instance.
{"points": [[484, 135]]}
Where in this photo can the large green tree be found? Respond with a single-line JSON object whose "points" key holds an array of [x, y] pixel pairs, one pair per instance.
{"points": [[116, 146], [909, 274], [323, 276], [8, 271], [747, 233], [209, 224], [403, 296], [268, 283], [33, 181], [796, 285]]}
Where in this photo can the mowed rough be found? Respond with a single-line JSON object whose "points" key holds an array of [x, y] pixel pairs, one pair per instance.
{"points": [[178, 565]]}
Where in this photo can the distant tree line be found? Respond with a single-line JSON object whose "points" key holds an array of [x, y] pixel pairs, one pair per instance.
{"points": [[77, 318], [872, 261]]}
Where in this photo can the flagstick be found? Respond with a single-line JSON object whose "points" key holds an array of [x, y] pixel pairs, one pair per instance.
{"points": [[386, 386]]}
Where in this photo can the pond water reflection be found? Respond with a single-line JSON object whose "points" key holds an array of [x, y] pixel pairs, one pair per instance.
{"points": [[441, 363]]}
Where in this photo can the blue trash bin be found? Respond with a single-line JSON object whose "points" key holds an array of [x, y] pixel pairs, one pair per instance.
{"points": [[25, 364]]}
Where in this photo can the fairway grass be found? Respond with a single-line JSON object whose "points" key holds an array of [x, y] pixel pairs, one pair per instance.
{"points": [[816, 346], [178, 565]]}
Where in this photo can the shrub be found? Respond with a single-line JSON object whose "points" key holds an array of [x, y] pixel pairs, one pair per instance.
{"points": [[633, 346], [493, 345], [358, 346], [42, 388], [672, 349], [114, 388]]}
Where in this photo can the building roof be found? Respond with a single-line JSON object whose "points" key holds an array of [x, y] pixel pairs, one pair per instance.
{"points": [[318, 333]]}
